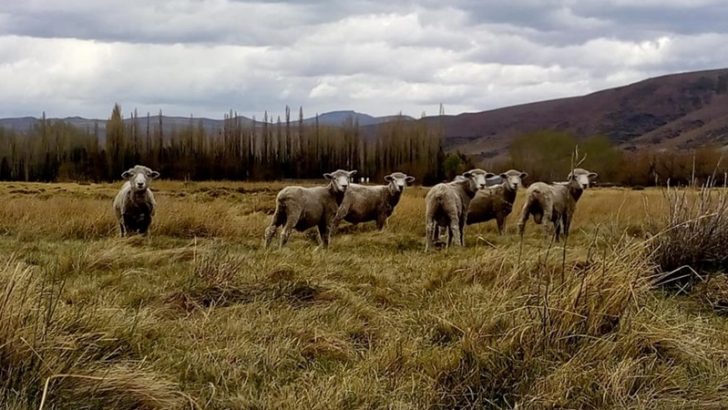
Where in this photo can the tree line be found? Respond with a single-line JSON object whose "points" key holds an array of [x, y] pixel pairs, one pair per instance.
{"points": [[546, 156], [287, 147], [240, 150]]}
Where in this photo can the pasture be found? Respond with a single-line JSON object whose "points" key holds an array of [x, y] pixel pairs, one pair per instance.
{"points": [[198, 315]]}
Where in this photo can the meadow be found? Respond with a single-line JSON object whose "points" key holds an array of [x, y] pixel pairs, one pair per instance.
{"points": [[199, 316]]}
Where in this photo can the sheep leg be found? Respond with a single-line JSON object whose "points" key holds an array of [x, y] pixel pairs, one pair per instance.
{"points": [[462, 232], [279, 218], [325, 234], [381, 221], [454, 231], [548, 216], [341, 213], [524, 217], [501, 224], [430, 229], [122, 228], [566, 221], [287, 228], [556, 219]]}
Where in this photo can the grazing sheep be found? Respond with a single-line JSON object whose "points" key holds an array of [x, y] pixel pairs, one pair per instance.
{"points": [[496, 202], [447, 206], [372, 203], [134, 205], [303, 208], [555, 203]]}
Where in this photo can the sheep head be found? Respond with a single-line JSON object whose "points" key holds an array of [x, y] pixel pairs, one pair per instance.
{"points": [[476, 178], [512, 179], [398, 181], [582, 177], [340, 179], [139, 177]]}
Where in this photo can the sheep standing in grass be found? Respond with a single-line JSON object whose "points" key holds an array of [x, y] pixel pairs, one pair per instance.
{"points": [[496, 202], [446, 205], [134, 205], [556, 202], [303, 208], [372, 203]]}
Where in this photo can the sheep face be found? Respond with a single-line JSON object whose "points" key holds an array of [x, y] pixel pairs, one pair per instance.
{"points": [[582, 177], [398, 181], [139, 177], [340, 179], [477, 178], [513, 179]]}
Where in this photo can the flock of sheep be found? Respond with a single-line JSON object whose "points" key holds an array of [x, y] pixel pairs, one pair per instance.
{"points": [[450, 206]]}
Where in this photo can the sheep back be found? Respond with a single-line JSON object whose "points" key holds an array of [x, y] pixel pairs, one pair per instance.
{"points": [[315, 206]]}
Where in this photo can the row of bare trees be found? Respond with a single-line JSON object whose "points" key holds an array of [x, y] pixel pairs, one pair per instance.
{"points": [[293, 148], [241, 149]]}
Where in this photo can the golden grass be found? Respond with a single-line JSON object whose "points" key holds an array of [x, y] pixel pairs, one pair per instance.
{"points": [[199, 316]]}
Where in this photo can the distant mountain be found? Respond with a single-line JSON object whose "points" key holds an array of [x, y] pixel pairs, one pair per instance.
{"points": [[678, 111], [342, 117], [170, 123]]}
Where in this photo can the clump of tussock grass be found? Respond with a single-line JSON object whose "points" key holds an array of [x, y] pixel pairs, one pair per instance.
{"points": [[582, 338], [694, 236], [714, 293], [62, 217], [51, 355], [216, 282]]}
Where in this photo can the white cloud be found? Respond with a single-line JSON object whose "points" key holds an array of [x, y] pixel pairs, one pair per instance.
{"points": [[205, 57]]}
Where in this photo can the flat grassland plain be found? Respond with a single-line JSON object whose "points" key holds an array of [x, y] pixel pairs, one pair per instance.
{"points": [[199, 316]]}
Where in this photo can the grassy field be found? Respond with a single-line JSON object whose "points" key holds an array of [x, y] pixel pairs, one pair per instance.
{"points": [[199, 316]]}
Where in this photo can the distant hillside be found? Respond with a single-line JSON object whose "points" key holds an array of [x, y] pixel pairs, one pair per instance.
{"points": [[342, 117], [679, 111], [170, 123]]}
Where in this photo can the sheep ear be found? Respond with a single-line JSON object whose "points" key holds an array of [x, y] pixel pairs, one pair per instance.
{"points": [[489, 175], [410, 179], [467, 174], [593, 175], [504, 176], [154, 175], [352, 172], [127, 174], [328, 176], [388, 178], [524, 175]]}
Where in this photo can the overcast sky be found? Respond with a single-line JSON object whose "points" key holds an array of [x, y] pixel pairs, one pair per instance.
{"points": [[205, 57]]}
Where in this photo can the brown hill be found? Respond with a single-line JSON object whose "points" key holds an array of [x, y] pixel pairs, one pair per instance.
{"points": [[678, 111]]}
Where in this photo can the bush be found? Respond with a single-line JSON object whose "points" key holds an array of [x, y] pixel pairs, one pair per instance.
{"points": [[693, 241]]}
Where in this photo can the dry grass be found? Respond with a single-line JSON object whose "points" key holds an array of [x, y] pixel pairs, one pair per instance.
{"points": [[198, 316]]}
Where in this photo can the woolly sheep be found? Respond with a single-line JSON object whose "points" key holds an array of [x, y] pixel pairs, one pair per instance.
{"points": [[446, 205], [134, 205], [372, 203], [555, 203], [303, 208], [496, 202]]}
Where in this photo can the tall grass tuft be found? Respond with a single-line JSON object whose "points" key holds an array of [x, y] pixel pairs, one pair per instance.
{"points": [[695, 236], [53, 355]]}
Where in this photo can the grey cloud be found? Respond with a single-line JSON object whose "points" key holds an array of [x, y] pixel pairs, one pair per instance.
{"points": [[206, 57]]}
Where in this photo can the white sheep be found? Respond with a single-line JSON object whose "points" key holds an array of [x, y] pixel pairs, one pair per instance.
{"points": [[134, 205], [303, 208], [446, 205], [496, 202], [556, 202], [372, 203]]}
